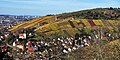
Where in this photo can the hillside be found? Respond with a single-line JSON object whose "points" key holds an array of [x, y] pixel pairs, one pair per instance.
{"points": [[72, 22], [98, 13], [101, 22]]}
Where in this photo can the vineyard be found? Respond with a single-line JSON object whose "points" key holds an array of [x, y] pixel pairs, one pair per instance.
{"points": [[72, 27], [33, 23], [69, 27]]}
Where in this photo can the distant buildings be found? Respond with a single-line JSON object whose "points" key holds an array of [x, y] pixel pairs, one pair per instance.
{"points": [[8, 20]]}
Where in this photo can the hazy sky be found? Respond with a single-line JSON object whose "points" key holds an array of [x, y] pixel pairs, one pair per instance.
{"points": [[44, 7]]}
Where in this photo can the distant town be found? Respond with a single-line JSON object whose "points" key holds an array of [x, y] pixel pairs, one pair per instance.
{"points": [[6, 21]]}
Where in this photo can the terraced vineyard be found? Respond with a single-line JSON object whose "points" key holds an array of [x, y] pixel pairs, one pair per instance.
{"points": [[74, 25], [33, 23]]}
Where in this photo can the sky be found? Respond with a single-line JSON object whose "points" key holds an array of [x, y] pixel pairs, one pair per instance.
{"points": [[44, 7]]}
